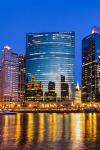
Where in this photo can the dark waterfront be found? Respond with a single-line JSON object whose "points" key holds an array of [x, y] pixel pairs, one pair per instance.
{"points": [[42, 131]]}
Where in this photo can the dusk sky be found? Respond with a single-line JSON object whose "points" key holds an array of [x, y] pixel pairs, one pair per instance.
{"points": [[17, 17]]}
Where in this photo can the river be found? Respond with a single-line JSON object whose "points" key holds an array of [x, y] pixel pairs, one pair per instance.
{"points": [[50, 131]]}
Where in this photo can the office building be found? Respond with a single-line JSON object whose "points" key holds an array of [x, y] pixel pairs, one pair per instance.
{"points": [[91, 67], [48, 55], [13, 76]]}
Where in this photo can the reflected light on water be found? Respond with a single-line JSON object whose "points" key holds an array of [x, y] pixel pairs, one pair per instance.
{"points": [[76, 129], [53, 128], [33, 131], [91, 126], [30, 128], [5, 130], [41, 127], [18, 129]]}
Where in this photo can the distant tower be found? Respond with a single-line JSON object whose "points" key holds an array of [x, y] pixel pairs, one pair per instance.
{"points": [[77, 95], [91, 66], [77, 86]]}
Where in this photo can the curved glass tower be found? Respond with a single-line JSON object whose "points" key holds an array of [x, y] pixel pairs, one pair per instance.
{"points": [[50, 55]]}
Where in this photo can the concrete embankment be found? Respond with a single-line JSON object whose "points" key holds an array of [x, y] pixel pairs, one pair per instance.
{"points": [[57, 111]]}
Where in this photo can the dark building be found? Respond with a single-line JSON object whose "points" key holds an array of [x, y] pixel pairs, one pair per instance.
{"points": [[91, 66], [21, 78], [51, 86], [50, 95], [64, 89]]}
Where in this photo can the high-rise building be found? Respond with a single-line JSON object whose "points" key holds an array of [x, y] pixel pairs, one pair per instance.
{"points": [[64, 89], [91, 66], [13, 76], [21, 77], [48, 55]]}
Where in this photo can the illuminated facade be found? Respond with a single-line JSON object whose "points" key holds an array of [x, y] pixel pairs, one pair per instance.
{"points": [[0, 81], [13, 76], [77, 95], [34, 91], [91, 67], [48, 55]]}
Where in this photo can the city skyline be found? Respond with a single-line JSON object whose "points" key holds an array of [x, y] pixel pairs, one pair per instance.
{"points": [[20, 17], [50, 74]]}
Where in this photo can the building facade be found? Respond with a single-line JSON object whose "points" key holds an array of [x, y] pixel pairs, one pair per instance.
{"points": [[77, 95], [48, 55], [91, 66], [13, 76], [21, 77], [64, 89], [34, 91], [50, 96]]}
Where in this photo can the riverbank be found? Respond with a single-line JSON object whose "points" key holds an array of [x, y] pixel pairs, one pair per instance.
{"points": [[56, 111]]}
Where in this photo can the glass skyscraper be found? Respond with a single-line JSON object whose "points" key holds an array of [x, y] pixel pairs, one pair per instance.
{"points": [[50, 55], [91, 66]]}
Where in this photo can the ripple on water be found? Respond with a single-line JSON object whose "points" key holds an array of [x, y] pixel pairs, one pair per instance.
{"points": [[50, 132]]}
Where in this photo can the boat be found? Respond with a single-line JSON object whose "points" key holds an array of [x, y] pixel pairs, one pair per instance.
{"points": [[7, 112]]}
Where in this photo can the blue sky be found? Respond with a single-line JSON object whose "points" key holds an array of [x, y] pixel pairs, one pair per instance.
{"points": [[17, 17]]}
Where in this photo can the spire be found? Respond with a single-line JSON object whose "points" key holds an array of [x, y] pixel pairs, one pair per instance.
{"points": [[77, 86]]}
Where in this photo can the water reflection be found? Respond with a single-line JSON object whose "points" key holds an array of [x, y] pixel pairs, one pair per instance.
{"points": [[50, 131]]}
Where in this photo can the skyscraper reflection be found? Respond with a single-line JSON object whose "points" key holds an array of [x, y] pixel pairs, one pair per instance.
{"points": [[27, 131]]}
